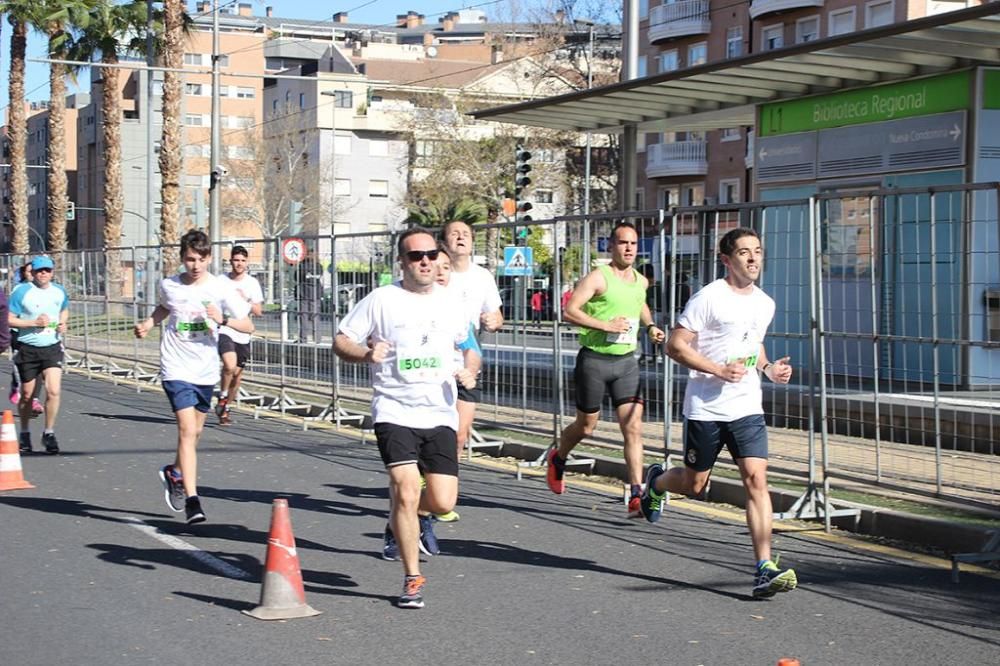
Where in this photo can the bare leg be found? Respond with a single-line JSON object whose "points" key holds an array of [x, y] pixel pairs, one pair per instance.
{"points": [[759, 509], [574, 433], [630, 422], [190, 423], [404, 489], [53, 388], [466, 414]]}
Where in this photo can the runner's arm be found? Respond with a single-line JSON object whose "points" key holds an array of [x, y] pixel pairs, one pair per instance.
{"points": [[352, 352], [143, 327], [679, 349], [590, 286]]}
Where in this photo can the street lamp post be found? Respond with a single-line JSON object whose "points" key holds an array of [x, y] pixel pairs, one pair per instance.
{"points": [[589, 24]]}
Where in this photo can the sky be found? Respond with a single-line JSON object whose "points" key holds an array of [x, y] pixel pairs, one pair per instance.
{"points": [[359, 11]]}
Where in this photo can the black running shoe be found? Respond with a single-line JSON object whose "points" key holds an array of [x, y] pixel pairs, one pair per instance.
{"points": [[413, 592], [428, 540], [390, 549], [173, 488], [221, 406], [24, 442], [51, 445], [192, 507]]}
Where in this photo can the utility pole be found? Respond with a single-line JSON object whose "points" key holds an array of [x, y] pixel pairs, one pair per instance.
{"points": [[585, 268], [215, 182]]}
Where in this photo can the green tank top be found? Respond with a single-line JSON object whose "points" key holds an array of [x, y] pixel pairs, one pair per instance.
{"points": [[620, 299]]}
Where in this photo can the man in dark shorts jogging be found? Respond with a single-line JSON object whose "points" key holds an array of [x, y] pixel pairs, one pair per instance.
{"points": [[408, 333], [609, 306], [39, 310], [234, 346], [720, 338]]}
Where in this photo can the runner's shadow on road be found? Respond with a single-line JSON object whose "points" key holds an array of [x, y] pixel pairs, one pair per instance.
{"points": [[72, 508], [296, 501], [138, 418], [498, 552]]}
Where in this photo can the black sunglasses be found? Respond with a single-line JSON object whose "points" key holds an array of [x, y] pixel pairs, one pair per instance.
{"points": [[43, 270], [418, 255]]}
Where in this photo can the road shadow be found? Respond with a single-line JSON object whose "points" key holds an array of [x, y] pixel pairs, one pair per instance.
{"points": [[137, 418]]}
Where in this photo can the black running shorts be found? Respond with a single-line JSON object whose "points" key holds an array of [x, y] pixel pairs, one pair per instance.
{"points": [[32, 361], [434, 450], [597, 373], [242, 351]]}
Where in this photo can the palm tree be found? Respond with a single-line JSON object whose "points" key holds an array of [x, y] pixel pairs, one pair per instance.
{"points": [[170, 143], [437, 214], [18, 13], [106, 31]]}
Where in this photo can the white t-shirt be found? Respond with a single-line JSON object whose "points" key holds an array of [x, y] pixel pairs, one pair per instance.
{"points": [[247, 288], [189, 346], [477, 292], [415, 385], [729, 326]]}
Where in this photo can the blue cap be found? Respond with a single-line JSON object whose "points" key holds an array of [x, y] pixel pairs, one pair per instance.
{"points": [[40, 262]]}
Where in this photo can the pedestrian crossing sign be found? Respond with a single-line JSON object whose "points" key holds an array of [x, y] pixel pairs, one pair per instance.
{"points": [[518, 260]]}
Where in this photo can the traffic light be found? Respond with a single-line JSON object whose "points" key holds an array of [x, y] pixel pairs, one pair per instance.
{"points": [[521, 182], [70, 210]]}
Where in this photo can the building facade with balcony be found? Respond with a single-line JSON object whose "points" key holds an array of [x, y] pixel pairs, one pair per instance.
{"points": [[715, 167]]}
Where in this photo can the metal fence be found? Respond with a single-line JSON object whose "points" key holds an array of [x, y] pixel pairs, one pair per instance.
{"points": [[888, 303]]}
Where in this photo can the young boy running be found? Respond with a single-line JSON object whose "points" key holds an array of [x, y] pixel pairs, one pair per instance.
{"points": [[195, 304]]}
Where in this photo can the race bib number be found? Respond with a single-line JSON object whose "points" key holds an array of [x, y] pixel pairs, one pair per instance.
{"points": [[629, 337], [192, 330], [748, 359], [419, 366]]}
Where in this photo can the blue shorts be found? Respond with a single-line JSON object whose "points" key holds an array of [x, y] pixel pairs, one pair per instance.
{"points": [[703, 440], [183, 395]]}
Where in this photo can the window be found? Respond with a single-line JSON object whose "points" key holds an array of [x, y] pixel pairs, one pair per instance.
{"points": [[223, 61], [669, 61], [640, 199], [642, 67], [197, 150], [302, 100], [378, 188], [239, 153], [697, 54], [543, 196], [667, 196], [841, 22], [693, 194], [378, 148], [243, 92], [729, 191], [731, 134], [193, 89], [807, 29], [772, 37], [274, 106], [423, 152], [342, 187], [194, 120], [343, 99], [878, 13], [341, 145], [734, 41], [192, 59], [640, 143], [643, 10]]}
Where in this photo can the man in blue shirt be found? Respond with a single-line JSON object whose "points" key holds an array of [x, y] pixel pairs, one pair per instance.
{"points": [[39, 310]]}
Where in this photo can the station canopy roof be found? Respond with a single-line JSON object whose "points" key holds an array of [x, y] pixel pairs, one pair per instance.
{"points": [[725, 93]]}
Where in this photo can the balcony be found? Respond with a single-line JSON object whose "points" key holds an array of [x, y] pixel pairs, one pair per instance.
{"points": [[680, 158], [678, 19], [759, 8]]}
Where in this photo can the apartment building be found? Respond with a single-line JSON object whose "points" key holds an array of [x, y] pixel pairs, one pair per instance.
{"points": [[685, 168]]}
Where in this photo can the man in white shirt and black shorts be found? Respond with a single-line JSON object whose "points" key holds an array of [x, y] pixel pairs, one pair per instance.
{"points": [[720, 338], [479, 300], [408, 333], [234, 346]]}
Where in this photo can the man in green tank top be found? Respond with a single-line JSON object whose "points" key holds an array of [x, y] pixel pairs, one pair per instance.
{"points": [[609, 306]]}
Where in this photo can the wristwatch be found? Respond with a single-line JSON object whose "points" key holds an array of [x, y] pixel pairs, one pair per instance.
{"points": [[225, 320]]}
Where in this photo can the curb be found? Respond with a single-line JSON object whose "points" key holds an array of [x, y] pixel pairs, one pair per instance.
{"points": [[944, 535]]}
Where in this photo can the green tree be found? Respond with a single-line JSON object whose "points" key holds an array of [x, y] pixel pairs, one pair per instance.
{"points": [[174, 32]]}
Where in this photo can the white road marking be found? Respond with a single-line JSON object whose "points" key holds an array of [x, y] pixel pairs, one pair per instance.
{"points": [[208, 560]]}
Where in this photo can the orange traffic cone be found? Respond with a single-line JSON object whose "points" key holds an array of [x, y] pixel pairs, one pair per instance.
{"points": [[282, 596], [788, 661], [11, 476]]}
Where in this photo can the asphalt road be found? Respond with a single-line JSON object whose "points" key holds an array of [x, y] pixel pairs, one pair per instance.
{"points": [[94, 570]]}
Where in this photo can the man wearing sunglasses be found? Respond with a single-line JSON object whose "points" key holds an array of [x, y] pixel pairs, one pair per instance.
{"points": [[39, 310], [408, 333]]}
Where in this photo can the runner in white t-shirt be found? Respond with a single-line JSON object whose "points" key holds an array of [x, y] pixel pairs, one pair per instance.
{"points": [[234, 346], [194, 304], [477, 292], [408, 333], [720, 338]]}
